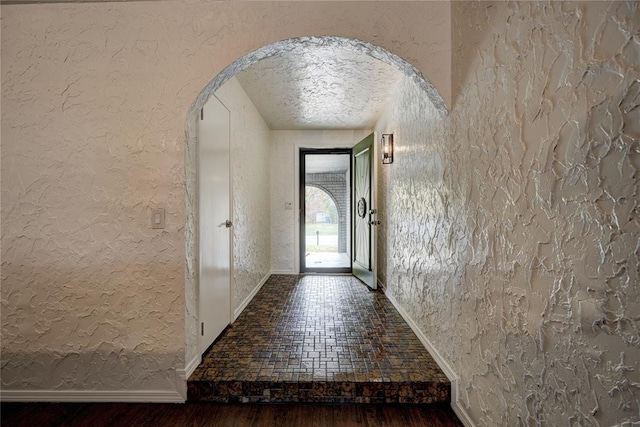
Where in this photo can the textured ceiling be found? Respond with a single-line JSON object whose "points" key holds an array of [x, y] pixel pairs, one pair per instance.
{"points": [[323, 163], [320, 87]]}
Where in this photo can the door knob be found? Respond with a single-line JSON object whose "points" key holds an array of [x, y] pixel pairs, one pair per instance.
{"points": [[228, 224]]}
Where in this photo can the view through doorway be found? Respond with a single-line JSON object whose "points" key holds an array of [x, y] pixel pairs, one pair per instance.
{"points": [[350, 58], [325, 208]]}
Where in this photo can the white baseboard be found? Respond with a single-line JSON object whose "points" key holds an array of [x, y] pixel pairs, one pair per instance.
{"points": [[132, 396], [285, 272], [451, 375], [454, 379], [182, 375], [191, 366], [249, 297], [462, 414]]}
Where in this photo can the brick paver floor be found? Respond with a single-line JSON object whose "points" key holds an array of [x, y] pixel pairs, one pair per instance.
{"points": [[318, 338]]}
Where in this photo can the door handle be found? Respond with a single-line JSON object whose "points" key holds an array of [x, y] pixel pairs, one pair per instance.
{"points": [[228, 224], [374, 222]]}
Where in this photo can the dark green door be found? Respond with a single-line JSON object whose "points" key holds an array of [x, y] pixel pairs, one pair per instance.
{"points": [[363, 212]]}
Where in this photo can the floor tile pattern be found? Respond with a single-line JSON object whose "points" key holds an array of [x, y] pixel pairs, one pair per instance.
{"points": [[318, 338]]}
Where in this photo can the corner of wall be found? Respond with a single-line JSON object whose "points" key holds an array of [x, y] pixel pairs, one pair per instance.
{"points": [[189, 368]]}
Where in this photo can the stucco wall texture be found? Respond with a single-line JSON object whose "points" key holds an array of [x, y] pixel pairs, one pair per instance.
{"points": [[510, 228], [94, 104], [251, 201]]}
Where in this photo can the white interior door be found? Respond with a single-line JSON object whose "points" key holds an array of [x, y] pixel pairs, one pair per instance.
{"points": [[364, 212], [214, 299]]}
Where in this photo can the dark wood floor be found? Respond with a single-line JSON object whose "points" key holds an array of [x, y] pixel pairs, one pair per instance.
{"points": [[221, 415]]}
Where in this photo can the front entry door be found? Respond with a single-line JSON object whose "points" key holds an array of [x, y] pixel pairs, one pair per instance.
{"points": [[364, 212], [214, 298], [325, 210]]}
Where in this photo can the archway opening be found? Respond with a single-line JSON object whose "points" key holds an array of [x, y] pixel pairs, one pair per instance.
{"points": [[310, 117], [322, 232]]}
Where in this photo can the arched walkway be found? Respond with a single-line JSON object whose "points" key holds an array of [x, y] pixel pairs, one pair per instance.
{"points": [[295, 45]]}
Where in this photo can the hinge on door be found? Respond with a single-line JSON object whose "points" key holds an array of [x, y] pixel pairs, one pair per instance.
{"points": [[202, 114], [202, 328]]}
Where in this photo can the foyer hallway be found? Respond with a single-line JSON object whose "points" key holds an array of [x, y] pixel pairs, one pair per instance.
{"points": [[318, 339]]}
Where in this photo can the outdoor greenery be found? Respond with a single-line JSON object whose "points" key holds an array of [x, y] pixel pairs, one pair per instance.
{"points": [[321, 216], [318, 202], [324, 229]]}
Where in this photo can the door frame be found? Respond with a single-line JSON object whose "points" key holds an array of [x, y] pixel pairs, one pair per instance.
{"points": [[199, 224], [302, 152], [341, 140]]}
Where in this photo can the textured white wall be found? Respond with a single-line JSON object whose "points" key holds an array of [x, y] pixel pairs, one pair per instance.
{"points": [[250, 178], [94, 98], [92, 297], [510, 228], [285, 153]]}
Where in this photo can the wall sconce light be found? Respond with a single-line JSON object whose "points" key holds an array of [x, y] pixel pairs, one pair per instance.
{"points": [[387, 148]]}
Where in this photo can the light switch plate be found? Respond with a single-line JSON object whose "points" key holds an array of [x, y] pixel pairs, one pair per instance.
{"points": [[157, 218]]}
